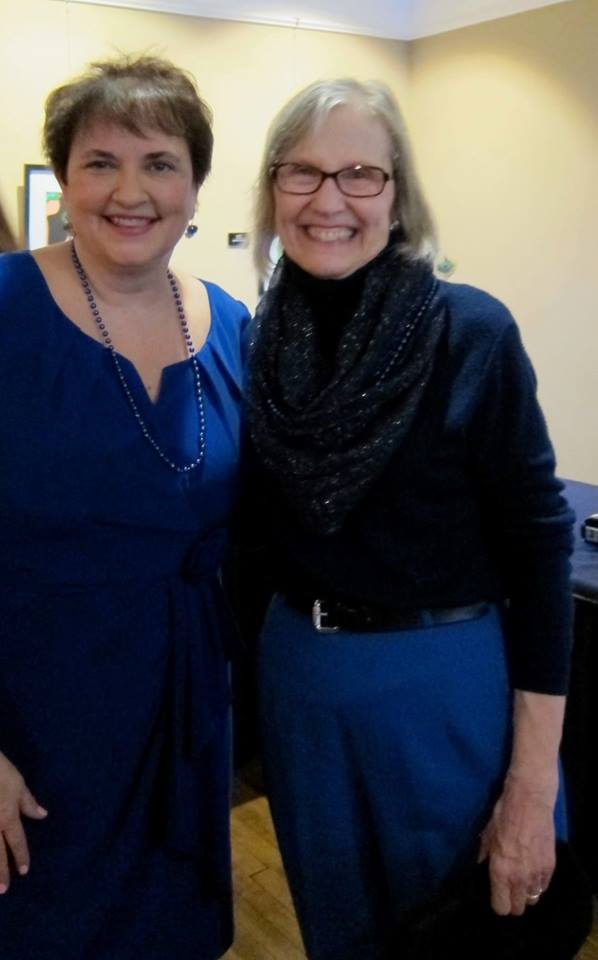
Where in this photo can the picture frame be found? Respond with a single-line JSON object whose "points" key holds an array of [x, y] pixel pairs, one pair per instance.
{"points": [[44, 212]]}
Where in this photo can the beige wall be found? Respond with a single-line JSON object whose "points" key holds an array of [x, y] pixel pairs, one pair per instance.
{"points": [[245, 72], [505, 121]]}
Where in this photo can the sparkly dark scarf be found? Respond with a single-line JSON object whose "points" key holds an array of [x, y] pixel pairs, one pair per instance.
{"points": [[326, 427]]}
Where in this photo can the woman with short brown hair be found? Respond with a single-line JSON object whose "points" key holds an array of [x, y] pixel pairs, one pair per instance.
{"points": [[119, 438]]}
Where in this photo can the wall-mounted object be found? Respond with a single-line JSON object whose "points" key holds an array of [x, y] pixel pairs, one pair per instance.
{"points": [[44, 215], [445, 267], [238, 241]]}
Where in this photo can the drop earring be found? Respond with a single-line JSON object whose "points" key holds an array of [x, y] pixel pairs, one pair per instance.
{"points": [[191, 230]]}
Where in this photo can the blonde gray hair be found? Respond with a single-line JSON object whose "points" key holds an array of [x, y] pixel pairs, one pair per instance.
{"points": [[300, 117]]}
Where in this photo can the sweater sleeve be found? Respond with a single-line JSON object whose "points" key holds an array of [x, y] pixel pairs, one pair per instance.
{"points": [[526, 517]]}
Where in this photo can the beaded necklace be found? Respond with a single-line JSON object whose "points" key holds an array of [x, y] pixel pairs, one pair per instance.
{"points": [[107, 341]]}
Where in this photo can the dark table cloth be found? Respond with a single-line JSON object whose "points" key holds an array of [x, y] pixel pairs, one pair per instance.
{"points": [[583, 497], [580, 737]]}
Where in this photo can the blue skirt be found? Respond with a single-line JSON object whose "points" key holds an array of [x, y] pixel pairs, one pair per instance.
{"points": [[384, 755]]}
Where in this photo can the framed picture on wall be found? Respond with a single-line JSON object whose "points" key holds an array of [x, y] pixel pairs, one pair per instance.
{"points": [[44, 212]]}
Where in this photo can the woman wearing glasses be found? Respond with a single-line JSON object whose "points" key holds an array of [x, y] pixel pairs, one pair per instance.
{"points": [[407, 491]]}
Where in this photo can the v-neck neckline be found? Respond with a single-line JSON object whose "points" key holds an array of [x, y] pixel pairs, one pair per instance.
{"points": [[141, 388]]}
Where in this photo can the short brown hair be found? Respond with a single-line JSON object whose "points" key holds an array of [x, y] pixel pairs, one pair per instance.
{"points": [[301, 116], [134, 92]]}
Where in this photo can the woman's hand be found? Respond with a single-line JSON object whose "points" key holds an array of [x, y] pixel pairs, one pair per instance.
{"points": [[519, 840], [520, 845], [15, 801]]}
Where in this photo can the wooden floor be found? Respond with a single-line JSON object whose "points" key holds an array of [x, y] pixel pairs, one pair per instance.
{"points": [[266, 928], [589, 950]]}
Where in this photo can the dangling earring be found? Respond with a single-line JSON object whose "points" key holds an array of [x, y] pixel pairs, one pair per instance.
{"points": [[191, 230], [394, 225], [66, 223]]}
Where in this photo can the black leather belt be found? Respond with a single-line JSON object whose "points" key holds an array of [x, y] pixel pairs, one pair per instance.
{"points": [[330, 616]]}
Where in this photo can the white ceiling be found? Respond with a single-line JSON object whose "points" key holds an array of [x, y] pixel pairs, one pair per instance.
{"points": [[394, 19]]}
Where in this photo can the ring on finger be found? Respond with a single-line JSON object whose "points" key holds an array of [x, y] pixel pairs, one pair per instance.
{"points": [[534, 897]]}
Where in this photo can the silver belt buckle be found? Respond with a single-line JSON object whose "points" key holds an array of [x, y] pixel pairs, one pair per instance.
{"points": [[319, 617]]}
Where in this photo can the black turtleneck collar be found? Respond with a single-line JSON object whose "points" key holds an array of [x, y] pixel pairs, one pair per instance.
{"points": [[333, 302]]}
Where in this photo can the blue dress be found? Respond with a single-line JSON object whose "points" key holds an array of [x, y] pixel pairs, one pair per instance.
{"points": [[114, 696]]}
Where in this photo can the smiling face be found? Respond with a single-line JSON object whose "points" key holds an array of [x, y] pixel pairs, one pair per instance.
{"points": [[326, 233], [128, 197]]}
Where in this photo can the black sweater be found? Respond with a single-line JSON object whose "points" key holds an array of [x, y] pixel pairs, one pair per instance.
{"points": [[468, 509]]}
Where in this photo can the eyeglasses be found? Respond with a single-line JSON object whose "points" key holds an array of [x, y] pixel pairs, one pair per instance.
{"points": [[357, 181]]}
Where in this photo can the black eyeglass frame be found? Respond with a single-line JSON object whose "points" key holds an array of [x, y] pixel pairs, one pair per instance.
{"points": [[273, 171]]}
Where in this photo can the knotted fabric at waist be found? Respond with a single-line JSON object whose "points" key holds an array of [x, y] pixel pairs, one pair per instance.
{"points": [[184, 574]]}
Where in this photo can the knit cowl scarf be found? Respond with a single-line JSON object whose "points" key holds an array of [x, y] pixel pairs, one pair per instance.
{"points": [[327, 428]]}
